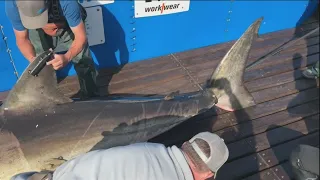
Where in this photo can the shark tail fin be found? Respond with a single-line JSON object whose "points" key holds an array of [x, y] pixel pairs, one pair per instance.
{"points": [[35, 92], [227, 80]]}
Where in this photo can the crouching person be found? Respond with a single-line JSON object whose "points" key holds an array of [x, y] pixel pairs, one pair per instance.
{"points": [[199, 158]]}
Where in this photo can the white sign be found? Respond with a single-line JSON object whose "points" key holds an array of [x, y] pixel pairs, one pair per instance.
{"points": [[90, 3], [145, 8], [94, 26]]}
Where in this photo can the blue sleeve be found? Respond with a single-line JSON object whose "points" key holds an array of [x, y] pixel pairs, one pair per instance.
{"points": [[71, 11], [13, 15]]}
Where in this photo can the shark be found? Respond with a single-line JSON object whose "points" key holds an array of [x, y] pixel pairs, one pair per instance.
{"points": [[41, 128]]}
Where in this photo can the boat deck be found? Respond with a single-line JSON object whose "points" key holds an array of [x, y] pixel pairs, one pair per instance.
{"points": [[259, 138]]}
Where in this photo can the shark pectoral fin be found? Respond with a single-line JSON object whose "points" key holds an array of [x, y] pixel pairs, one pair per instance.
{"points": [[35, 92], [227, 80]]}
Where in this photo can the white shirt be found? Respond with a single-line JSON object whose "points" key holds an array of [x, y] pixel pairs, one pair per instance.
{"points": [[139, 161]]}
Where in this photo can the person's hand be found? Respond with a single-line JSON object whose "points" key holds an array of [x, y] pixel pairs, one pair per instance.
{"points": [[58, 62]]}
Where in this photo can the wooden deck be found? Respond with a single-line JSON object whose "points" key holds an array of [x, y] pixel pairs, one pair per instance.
{"points": [[259, 138]]}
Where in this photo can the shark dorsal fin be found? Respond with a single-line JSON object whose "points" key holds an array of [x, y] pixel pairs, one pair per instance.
{"points": [[227, 80], [35, 92]]}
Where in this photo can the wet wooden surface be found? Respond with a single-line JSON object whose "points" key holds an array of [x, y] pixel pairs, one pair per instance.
{"points": [[259, 138]]}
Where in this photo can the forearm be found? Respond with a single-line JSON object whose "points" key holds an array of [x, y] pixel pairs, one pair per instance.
{"points": [[26, 49], [76, 47]]}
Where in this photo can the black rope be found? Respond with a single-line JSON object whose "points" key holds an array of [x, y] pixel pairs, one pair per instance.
{"points": [[278, 50]]}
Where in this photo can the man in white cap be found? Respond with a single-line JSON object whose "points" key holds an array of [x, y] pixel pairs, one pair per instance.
{"points": [[199, 158], [40, 25]]}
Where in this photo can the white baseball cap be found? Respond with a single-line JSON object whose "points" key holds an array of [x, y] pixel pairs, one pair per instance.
{"points": [[33, 13], [219, 152]]}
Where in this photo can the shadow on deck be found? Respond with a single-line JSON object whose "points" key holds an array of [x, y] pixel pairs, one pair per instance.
{"points": [[260, 137]]}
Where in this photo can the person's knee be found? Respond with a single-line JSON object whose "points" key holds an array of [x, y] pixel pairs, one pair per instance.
{"points": [[304, 161]]}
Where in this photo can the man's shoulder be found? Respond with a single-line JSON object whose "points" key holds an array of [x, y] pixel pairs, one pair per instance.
{"points": [[68, 4], [136, 161], [10, 6], [12, 13], [143, 146], [140, 150], [72, 12]]}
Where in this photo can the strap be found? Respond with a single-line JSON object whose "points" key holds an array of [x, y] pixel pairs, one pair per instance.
{"points": [[83, 12], [45, 41], [54, 10]]}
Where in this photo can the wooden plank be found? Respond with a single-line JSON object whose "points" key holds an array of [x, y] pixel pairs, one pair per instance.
{"points": [[154, 80], [143, 64], [276, 80], [135, 85], [280, 153], [261, 125], [183, 85], [282, 171], [132, 68], [127, 68], [287, 65], [279, 134], [136, 71], [310, 41], [275, 65], [173, 74], [126, 76], [260, 42], [293, 53], [139, 73], [283, 90], [163, 60], [251, 164], [274, 136], [69, 91], [230, 124], [232, 133], [256, 51], [269, 82], [132, 74], [271, 107]]}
